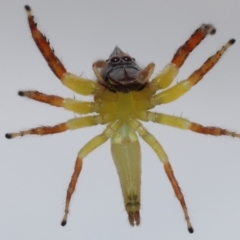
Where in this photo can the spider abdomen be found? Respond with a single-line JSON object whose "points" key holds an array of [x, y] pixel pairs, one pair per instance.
{"points": [[127, 158]]}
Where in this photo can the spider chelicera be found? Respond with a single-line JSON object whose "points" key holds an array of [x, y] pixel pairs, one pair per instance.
{"points": [[122, 95]]}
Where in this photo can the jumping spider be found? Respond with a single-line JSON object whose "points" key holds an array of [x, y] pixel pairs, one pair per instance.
{"points": [[123, 95]]}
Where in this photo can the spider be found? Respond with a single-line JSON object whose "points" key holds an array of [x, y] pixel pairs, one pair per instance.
{"points": [[122, 97]]}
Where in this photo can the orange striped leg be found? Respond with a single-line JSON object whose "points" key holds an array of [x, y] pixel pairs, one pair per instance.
{"points": [[44, 47], [170, 71], [75, 83], [71, 124], [215, 131], [71, 188], [197, 75], [62, 127], [89, 147], [68, 103], [155, 145], [183, 123], [44, 98], [182, 53], [178, 193], [182, 87]]}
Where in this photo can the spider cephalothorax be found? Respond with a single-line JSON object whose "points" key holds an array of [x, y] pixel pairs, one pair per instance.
{"points": [[121, 73], [122, 97]]}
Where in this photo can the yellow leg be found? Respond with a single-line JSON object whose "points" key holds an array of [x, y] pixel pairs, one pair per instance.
{"points": [[183, 123], [68, 103], [71, 124], [78, 84], [155, 145], [182, 87], [164, 78], [89, 147]]}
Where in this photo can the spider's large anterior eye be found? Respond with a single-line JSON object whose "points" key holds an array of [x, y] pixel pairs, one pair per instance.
{"points": [[115, 59], [127, 59]]}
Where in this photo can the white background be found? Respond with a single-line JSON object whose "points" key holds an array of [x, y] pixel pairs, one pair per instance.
{"points": [[35, 171]]}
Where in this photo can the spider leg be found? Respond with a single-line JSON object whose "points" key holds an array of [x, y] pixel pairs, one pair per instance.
{"points": [[167, 75], [182, 87], [182, 53], [68, 103], [89, 147], [183, 123], [164, 78], [155, 145], [71, 124], [75, 83]]}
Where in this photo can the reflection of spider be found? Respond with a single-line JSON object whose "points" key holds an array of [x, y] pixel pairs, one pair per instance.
{"points": [[123, 95]]}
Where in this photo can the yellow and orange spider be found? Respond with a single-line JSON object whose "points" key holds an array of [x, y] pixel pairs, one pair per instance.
{"points": [[122, 97]]}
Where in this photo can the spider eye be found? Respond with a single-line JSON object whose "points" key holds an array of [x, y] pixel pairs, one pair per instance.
{"points": [[115, 59], [127, 59]]}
